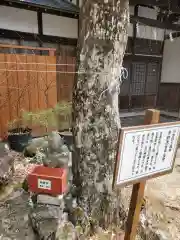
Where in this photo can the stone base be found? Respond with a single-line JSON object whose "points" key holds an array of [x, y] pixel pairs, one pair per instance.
{"points": [[44, 222], [14, 222], [47, 199]]}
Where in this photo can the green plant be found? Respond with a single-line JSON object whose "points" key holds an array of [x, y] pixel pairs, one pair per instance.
{"points": [[58, 117], [16, 123]]}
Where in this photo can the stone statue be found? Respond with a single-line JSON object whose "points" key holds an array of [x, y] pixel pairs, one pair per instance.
{"points": [[50, 151]]}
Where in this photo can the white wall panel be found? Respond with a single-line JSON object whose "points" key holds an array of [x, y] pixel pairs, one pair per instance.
{"points": [[147, 12], [150, 32], [171, 62], [60, 26], [18, 19]]}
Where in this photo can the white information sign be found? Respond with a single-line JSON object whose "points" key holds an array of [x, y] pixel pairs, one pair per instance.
{"points": [[146, 151], [44, 184]]}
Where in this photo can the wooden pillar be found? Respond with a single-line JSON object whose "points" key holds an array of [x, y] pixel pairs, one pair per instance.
{"points": [[151, 117], [136, 8]]}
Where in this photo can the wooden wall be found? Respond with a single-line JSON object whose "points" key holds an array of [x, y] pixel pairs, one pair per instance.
{"points": [[169, 96], [27, 82]]}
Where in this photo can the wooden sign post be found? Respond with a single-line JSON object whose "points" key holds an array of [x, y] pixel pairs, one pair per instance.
{"points": [[144, 152], [151, 117]]}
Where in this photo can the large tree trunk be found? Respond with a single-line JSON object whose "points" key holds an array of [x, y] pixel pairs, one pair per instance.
{"points": [[96, 121]]}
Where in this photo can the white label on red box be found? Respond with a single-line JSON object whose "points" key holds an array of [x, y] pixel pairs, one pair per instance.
{"points": [[44, 184]]}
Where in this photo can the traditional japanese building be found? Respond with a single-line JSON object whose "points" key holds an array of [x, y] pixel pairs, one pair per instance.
{"points": [[39, 23]]}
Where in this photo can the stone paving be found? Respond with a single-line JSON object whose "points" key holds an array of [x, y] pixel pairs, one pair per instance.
{"points": [[139, 120]]}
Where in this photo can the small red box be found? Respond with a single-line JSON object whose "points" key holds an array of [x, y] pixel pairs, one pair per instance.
{"points": [[47, 180]]}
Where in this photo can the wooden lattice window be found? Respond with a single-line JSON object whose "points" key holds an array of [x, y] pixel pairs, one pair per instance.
{"points": [[138, 78]]}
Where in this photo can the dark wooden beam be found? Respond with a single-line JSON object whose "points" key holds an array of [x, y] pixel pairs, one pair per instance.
{"points": [[160, 74], [144, 58], [10, 34], [173, 6], [133, 43], [134, 29], [157, 3], [40, 26], [40, 23], [155, 23], [170, 83]]}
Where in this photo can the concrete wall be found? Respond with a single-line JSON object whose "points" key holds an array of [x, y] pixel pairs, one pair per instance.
{"points": [[171, 62]]}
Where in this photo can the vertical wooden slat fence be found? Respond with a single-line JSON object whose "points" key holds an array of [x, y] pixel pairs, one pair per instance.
{"points": [[27, 82], [65, 77]]}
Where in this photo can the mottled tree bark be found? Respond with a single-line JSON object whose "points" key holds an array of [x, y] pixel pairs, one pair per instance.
{"points": [[96, 121]]}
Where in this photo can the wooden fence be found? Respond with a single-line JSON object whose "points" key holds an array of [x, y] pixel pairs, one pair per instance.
{"points": [[27, 82], [65, 77]]}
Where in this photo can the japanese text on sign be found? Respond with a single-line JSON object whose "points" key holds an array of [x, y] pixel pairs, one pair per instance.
{"points": [[44, 184], [147, 151]]}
